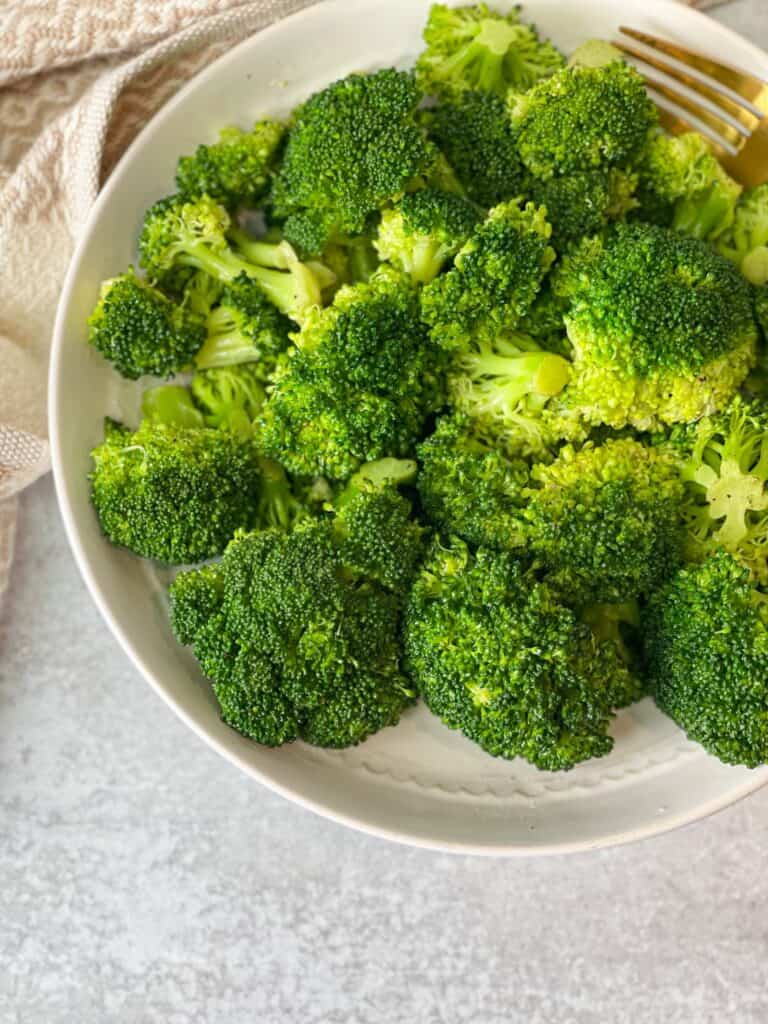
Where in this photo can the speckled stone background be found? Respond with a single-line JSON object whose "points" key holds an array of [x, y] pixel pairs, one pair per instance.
{"points": [[145, 881]]}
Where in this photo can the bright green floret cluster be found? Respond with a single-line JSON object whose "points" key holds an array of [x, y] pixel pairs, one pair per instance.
{"points": [[470, 402], [495, 654]]}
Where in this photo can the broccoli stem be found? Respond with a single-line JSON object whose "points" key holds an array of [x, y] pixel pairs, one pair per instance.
{"points": [[225, 345], [279, 255], [171, 404], [702, 215], [277, 506], [482, 60], [373, 476], [754, 266], [514, 377]]}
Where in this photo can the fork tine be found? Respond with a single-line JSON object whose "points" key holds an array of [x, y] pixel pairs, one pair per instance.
{"points": [[749, 86], [716, 124], [676, 125], [740, 114]]}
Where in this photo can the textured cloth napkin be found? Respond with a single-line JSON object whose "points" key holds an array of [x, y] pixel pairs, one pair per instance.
{"points": [[78, 80]]}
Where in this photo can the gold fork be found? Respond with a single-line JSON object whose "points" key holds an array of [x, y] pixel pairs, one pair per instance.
{"points": [[730, 105]]}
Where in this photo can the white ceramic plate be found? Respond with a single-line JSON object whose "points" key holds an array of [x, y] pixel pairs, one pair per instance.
{"points": [[418, 783]]}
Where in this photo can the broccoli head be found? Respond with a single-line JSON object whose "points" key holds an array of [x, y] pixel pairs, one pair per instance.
{"points": [[425, 230], [583, 202], [471, 48], [494, 654], [746, 241], [235, 170], [360, 384], [582, 118], [173, 493], [604, 522], [683, 172], [706, 649], [494, 280], [298, 641], [476, 136], [140, 331], [470, 489], [245, 327], [662, 327], [723, 460], [353, 146]]}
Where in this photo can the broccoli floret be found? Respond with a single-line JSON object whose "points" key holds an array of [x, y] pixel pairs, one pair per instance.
{"points": [[746, 241], [495, 277], [683, 172], [471, 48], [173, 493], [619, 625], [230, 397], [724, 462], [353, 146], [706, 648], [544, 323], [201, 293], [476, 136], [296, 642], [424, 231], [360, 385], [582, 118], [236, 169], [181, 235], [471, 490], [244, 328], [604, 522], [582, 203], [495, 655], [140, 331], [352, 258], [661, 325]]}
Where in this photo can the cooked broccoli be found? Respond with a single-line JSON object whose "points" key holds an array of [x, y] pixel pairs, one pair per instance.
{"points": [[171, 403], [746, 241], [544, 323], [351, 257], [494, 280], [425, 230], [683, 173], [618, 624], [724, 462], [244, 327], [662, 327], [582, 203], [173, 493], [495, 655], [297, 638], [360, 385], [604, 522], [236, 169], [476, 136], [706, 648], [353, 146], [140, 331], [181, 235], [472, 48], [280, 505], [470, 489], [230, 397], [582, 118]]}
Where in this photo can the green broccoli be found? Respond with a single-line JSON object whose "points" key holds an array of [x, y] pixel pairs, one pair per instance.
{"points": [[661, 325], [683, 173], [230, 397], [494, 654], [281, 503], [173, 493], [494, 280], [235, 170], [180, 236], [425, 230], [618, 624], [359, 386], [583, 202], [353, 146], [582, 118], [352, 258], [471, 490], [171, 403], [723, 460], [746, 241], [140, 331], [298, 637], [706, 650], [244, 327], [604, 522], [471, 48], [476, 136]]}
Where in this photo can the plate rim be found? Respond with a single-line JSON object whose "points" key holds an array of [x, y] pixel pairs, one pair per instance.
{"points": [[289, 792]]}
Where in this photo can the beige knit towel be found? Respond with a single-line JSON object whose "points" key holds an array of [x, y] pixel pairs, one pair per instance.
{"points": [[78, 79]]}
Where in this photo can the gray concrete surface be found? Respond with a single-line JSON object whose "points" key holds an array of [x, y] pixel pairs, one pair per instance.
{"points": [[145, 881]]}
